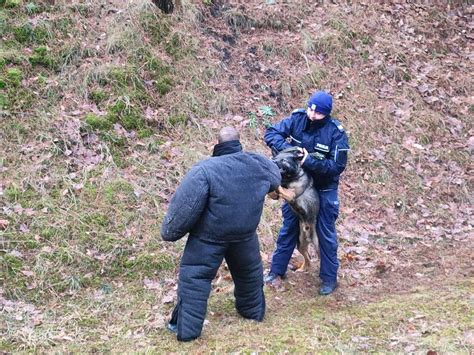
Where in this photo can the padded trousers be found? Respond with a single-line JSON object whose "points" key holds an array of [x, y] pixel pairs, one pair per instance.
{"points": [[199, 264]]}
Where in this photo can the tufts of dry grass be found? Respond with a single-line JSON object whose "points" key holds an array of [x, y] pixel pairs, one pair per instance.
{"points": [[127, 317], [100, 120]]}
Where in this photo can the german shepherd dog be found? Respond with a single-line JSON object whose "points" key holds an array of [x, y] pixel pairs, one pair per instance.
{"points": [[297, 189]]}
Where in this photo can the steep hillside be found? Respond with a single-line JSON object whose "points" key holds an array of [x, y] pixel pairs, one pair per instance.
{"points": [[104, 105]]}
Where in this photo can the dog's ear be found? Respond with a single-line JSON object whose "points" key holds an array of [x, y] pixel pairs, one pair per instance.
{"points": [[274, 152]]}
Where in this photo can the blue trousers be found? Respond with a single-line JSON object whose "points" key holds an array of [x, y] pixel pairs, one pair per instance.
{"points": [[327, 237]]}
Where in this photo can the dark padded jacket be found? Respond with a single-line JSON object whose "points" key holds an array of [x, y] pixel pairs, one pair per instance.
{"points": [[221, 198], [326, 137]]}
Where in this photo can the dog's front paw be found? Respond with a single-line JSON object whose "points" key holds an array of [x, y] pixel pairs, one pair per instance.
{"points": [[288, 194]]}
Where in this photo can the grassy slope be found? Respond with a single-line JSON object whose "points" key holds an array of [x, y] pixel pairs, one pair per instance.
{"points": [[106, 104]]}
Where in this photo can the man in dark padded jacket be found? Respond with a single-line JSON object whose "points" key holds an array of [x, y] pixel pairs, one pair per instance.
{"points": [[219, 203]]}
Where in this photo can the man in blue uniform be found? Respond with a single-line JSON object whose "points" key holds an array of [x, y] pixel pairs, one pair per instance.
{"points": [[324, 144]]}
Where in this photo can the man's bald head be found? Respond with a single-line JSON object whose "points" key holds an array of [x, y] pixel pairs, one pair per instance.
{"points": [[228, 134]]}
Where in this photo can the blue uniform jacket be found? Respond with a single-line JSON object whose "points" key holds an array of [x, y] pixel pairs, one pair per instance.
{"points": [[326, 137]]}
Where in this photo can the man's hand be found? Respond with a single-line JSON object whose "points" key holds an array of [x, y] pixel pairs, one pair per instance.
{"points": [[305, 154], [273, 195], [287, 194]]}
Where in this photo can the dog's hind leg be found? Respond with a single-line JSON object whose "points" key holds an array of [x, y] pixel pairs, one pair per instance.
{"points": [[303, 244], [316, 243]]}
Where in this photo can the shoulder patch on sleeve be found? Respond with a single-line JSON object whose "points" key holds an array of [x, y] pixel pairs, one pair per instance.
{"points": [[299, 110], [337, 124]]}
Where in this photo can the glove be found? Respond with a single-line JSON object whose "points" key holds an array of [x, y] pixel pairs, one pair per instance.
{"points": [[305, 154]]}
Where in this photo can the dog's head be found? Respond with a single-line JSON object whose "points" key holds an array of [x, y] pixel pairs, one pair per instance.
{"points": [[289, 162]]}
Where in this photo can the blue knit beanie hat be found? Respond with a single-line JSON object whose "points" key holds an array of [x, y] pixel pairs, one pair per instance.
{"points": [[321, 102]]}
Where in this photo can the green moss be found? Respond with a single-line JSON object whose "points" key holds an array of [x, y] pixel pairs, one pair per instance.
{"points": [[98, 96], [178, 119], [40, 57], [3, 101], [31, 244], [14, 76], [157, 67], [132, 120], [119, 191], [99, 123], [20, 98], [12, 3], [124, 77], [96, 219], [119, 75], [42, 79], [164, 85], [26, 33], [11, 56], [48, 233], [31, 8], [128, 84], [118, 108], [128, 116], [114, 139], [41, 51], [144, 133]]}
